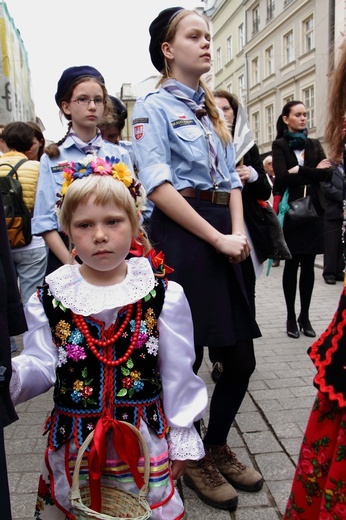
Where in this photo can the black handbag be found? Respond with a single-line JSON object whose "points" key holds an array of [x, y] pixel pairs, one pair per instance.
{"points": [[300, 212]]}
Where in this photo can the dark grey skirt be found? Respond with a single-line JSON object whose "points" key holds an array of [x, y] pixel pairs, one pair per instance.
{"points": [[214, 288]]}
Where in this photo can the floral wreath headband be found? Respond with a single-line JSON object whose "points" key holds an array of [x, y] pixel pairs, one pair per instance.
{"points": [[93, 165]]}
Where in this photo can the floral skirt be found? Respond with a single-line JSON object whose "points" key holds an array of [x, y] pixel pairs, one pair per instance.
{"points": [[55, 481], [319, 485]]}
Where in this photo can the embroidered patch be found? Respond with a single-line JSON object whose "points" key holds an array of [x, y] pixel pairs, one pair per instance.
{"points": [[57, 169], [140, 120], [178, 123], [138, 132]]}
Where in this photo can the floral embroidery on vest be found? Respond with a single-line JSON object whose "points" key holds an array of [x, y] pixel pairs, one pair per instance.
{"points": [[102, 370]]}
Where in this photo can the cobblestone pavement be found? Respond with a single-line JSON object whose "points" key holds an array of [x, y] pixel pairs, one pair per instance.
{"points": [[268, 429]]}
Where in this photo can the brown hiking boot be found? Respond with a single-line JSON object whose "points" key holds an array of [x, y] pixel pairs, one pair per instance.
{"points": [[205, 479], [240, 476]]}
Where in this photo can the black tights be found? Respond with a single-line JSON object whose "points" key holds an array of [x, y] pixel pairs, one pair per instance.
{"points": [[306, 284], [238, 362]]}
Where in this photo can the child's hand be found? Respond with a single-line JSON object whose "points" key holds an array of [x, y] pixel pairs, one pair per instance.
{"points": [[178, 468]]}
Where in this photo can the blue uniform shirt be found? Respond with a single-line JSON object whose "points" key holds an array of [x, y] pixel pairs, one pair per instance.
{"points": [[51, 178], [170, 145]]}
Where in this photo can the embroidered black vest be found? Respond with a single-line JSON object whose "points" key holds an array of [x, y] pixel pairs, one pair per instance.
{"points": [[87, 387]]}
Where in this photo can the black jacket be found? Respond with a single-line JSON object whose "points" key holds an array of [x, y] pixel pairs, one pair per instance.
{"points": [[334, 193], [253, 215], [12, 320], [306, 239]]}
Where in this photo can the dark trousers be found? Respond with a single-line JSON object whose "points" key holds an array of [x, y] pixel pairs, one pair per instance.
{"points": [[238, 362], [333, 264], [5, 495]]}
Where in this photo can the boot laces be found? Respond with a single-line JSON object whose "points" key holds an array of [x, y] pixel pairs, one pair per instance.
{"points": [[230, 456], [211, 475]]}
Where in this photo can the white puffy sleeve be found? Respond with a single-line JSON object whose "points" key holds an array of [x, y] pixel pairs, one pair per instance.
{"points": [[184, 394], [34, 368]]}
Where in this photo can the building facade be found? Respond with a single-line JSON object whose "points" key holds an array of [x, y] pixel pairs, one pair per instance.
{"points": [[268, 52]]}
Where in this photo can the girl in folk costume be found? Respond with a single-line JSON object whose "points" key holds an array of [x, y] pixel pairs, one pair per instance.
{"points": [[83, 101], [319, 485], [110, 336], [186, 162]]}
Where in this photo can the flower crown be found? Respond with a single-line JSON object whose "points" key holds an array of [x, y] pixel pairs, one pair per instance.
{"points": [[97, 166]]}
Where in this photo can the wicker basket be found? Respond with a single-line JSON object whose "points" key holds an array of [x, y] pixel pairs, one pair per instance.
{"points": [[116, 504]]}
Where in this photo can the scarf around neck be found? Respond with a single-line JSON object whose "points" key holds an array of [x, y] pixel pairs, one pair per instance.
{"points": [[296, 140], [93, 146], [171, 86]]}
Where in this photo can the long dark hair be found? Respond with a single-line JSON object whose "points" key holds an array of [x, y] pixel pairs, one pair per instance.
{"points": [[280, 124]]}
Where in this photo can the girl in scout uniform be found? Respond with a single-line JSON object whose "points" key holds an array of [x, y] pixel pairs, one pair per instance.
{"points": [[186, 163], [83, 100]]}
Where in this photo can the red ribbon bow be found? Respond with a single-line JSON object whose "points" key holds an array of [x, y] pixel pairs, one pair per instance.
{"points": [[126, 444]]}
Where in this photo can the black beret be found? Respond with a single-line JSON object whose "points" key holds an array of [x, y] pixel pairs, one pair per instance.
{"points": [[72, 74], [119, 107], [157, 30]]}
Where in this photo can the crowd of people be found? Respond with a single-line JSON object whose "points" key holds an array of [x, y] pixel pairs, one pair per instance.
{"points": [[126, 238]]}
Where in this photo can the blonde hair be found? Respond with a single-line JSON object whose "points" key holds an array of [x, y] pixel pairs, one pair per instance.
{"points": [[106, 190], [219, 124]]}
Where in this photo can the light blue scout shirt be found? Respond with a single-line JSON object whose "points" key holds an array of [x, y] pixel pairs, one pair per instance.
{"points": [[170, 145], [51, 178]]}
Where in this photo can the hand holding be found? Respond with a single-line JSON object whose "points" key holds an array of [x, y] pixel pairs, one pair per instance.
{"points": [[178, 468], [244, 173]]}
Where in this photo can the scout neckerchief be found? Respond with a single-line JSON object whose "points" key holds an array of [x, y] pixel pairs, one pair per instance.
{"points": [[93, 146], [200, 112]]}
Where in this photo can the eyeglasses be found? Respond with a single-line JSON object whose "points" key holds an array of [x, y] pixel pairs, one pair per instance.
{"points": [[98, 101]]}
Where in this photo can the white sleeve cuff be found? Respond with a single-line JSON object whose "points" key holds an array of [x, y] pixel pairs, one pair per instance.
{"points": [[185, 444]]}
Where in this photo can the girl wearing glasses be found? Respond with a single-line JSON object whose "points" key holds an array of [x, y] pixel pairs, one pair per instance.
{"points": [[186, 163], [83, 100]]}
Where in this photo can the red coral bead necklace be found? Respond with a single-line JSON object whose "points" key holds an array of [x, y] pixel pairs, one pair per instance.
{"points": [[93, 343]]}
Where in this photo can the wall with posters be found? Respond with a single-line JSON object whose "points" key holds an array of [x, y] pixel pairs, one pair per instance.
{"points": [[15, 83]]}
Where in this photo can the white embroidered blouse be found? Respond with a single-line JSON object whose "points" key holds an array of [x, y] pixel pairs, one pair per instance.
{"points": [[184, 394]]}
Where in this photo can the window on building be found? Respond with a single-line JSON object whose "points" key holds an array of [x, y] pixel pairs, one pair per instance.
{"points": [[218, 59], [229, 88], [309, 102], [287, 99], [288, 47], [308, 34], [270, 122], [229, 48], [255, 126], [241, 86], [255, 20], [255, 74], [241, 36], [269, 55], [270, 10]]}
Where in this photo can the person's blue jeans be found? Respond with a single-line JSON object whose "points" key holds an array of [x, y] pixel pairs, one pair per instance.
{"points": [[30, 267]]}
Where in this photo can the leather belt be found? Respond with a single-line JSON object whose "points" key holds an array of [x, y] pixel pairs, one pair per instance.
{"points": [[216, 197]]}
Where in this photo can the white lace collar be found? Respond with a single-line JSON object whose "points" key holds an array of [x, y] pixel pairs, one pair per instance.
{"points": [[68, 286]]}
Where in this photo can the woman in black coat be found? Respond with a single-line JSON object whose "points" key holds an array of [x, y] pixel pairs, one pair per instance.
{"points": [[300, 162]]}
